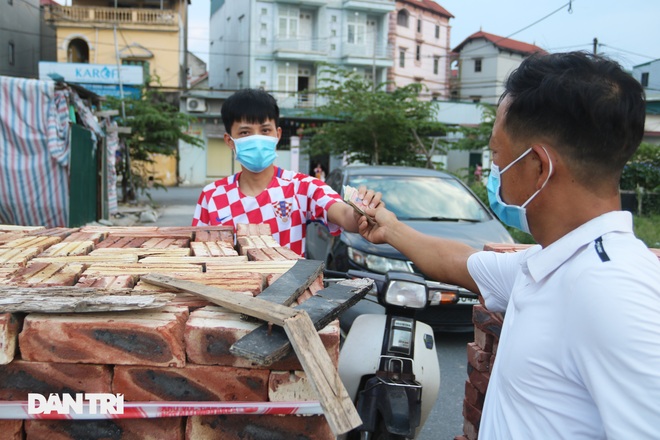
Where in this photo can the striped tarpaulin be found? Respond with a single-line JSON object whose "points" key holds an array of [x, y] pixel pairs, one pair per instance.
{"points": [[34, 153]]}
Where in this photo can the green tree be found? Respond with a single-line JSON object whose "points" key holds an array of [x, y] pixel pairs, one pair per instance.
{"points": [[369, 123], [156, 127], [476, 138]]}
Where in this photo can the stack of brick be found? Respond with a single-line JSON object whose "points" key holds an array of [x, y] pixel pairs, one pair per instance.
{"points": [[176, 353], [481, 356]]}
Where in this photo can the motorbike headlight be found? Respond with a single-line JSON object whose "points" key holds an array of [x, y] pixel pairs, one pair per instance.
{"points": [[376, 263], [405, 290]]}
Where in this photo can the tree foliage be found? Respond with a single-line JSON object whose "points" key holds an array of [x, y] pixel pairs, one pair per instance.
{"points": [[369, 123], [157, 126], [477, 138], [643, 169]]}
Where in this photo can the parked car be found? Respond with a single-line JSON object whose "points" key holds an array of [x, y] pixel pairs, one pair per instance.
{"points": [[430, 201]]}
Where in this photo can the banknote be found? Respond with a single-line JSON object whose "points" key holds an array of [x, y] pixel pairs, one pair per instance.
{"points": [[352, 197]]}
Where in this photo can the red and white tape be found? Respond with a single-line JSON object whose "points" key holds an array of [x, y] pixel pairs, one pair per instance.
{"points": [[149, 410]]}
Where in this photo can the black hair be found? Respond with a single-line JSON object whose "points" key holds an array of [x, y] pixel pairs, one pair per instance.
{"points": [[585, 105], [250, 105]]}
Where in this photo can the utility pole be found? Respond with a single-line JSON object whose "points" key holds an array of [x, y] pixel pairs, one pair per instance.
{"points": [[595, 46]]}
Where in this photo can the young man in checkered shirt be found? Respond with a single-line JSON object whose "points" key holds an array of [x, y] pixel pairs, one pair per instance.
{"points": [[263, 193]]}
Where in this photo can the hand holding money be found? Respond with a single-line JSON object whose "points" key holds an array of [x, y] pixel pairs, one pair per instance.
{"points": [[352, 197]]}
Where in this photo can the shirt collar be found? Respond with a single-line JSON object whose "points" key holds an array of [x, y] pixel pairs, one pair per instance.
{"points": [[543, 262]]}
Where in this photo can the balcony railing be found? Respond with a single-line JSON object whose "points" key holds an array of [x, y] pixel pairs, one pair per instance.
{"points": [[94, 14]]}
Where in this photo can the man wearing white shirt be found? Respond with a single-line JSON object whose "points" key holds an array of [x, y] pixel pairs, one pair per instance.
{"points": [[579, 353]]}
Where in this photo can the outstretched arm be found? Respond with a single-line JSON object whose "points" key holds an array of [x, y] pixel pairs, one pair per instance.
{"points": [[440, 259]]}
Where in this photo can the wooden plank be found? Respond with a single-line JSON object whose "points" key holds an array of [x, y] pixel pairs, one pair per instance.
{"points": [[106, 113], [79, 299], [124, 130], [255, 307], [334, 399], [288, 287], [266, 345], [165, 259]]}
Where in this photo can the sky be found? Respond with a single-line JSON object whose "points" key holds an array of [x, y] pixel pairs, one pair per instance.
{"points": [[627, 31]]}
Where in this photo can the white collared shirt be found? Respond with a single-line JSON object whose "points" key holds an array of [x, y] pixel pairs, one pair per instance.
{"points": [[579, 353]]}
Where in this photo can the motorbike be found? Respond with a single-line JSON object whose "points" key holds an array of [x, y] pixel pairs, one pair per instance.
{"points": [[388, 362]]}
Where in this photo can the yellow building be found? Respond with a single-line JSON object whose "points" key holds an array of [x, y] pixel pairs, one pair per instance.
{"points": [[150, 33], [147, 33]]}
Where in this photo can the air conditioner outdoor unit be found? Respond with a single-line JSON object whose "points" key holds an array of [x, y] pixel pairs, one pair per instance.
{"points": [[196, 105]]}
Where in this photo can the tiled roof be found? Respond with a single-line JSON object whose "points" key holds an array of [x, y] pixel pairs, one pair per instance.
{"points": [[502, 43], [429, 5]]}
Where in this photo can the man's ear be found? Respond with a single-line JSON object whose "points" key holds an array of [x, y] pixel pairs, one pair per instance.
{"points": [[547, 160], [279, 132], [229, 141]]}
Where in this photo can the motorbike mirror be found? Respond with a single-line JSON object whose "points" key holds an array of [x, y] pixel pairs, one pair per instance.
{"points": [[404, 289]]}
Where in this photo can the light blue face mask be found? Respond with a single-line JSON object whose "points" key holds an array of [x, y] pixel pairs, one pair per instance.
{"points": [[511, 215], [256, 152]]}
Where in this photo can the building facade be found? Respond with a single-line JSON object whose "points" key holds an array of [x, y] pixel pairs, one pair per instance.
{"points": [[419, 32], [20, 26], [147, 33], [277, 44], [483, 63]]}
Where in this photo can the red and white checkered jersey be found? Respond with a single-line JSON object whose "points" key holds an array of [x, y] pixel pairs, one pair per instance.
{"points": [[287, 205]]}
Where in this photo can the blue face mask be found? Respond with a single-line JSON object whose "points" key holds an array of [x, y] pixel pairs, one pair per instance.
{"points": [[256, 152], [510, 215]]}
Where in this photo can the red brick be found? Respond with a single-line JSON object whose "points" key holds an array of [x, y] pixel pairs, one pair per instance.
{"points": [[478, 378], [221, 233], [152, 338], [258, 427], [470, 431], [191, 383], [211, 331], [22, 377], [169, 428], [11, 429], [245, 229], [473, 396], [47, 274], [486, 320], [477, 357], [471, 413], [505, 247], [483, 340], [9, 327], [109, 282]]}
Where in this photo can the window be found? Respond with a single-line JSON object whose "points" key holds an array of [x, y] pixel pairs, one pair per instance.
{"points": [[263, 69], [334, 19], [264, 26], [437, 31], [12, 54], [287, 78], [78, 51], [263, 41], [264, 11], [402, 58], [143, 63], [475, 99], [477, 65], [288, 22], [419, 25], [402, 18], [333, 32], [436, 65], [645, 79], [418, 53], [357, 29], [240, 79], [333, 47]]}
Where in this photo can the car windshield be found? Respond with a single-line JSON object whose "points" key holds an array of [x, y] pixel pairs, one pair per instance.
{"points": [[425, 197]]}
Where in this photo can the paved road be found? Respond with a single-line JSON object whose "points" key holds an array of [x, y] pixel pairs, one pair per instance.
{"points": [[176, 206]]}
